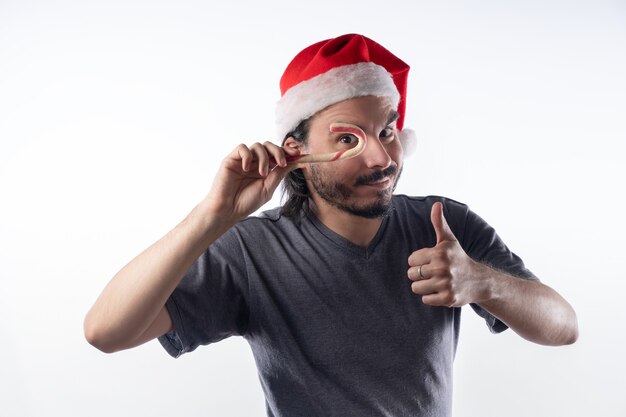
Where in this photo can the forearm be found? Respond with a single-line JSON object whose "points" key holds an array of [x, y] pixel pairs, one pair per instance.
{"points": [[533, 310], [131, 302]]}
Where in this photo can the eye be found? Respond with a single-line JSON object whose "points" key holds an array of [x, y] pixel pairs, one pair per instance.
{"points": [[347, 139], [388, 133]]}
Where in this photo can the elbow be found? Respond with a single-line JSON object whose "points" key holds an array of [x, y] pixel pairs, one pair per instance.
{"points": [[566, 323], [572, 339], [567, 338], [97, 337], [570, 326], [558, 330], [572, 334], [568, 334]]}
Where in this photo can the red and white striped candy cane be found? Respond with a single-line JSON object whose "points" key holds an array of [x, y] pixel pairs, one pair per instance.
{"points": [[338, 127]]}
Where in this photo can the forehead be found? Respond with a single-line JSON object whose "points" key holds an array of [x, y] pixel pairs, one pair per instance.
{"points": [[356, 110]]}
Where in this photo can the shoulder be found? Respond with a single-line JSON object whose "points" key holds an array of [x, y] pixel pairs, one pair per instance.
{"points": [[267, 218], [267, 222], [257, 231], [264, 217]]}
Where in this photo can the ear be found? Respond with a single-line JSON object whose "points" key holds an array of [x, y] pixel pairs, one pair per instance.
{"points": [[291, 144], [293, 147]]}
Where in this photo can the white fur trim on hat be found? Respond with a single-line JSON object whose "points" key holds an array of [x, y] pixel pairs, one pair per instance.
{"points": [[408, 139], [337, 84]]}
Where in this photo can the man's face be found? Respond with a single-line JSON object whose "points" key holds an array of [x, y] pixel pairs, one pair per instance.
{"points": [[362, 185]]}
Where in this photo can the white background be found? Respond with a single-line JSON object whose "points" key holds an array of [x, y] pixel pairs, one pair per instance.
{"points": [[114, 116]]}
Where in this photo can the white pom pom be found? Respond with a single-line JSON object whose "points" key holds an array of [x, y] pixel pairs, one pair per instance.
{"points": [[408, 139]]}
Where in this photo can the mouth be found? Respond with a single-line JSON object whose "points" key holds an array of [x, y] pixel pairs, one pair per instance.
{"points": [[378, 179], [380, 184]]}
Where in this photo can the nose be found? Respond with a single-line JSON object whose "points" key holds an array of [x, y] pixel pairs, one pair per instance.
{"points": [[375, 154]]}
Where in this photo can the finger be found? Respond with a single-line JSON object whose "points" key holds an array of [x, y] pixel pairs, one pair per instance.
{"points": [[262, 159], [242, 152], [420, 257], [442, 230], [274, 178], [440, 299], [277, 154], [418, 273], [434, 292], [424, 287]]}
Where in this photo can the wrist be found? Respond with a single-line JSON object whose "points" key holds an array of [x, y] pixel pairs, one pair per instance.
{"points": [[486, 284], [207, 219]]}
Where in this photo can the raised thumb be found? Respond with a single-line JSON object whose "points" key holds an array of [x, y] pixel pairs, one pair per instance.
{"points": [[440, 224]]}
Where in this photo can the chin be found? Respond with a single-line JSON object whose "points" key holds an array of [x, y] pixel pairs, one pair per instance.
{"points": [[372, 212], [380, 207]]}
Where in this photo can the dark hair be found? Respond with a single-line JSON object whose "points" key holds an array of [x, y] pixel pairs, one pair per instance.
{"points": [[294, 184]]}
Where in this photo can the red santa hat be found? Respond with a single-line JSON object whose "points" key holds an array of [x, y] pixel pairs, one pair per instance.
{"points": [[338, 69]]}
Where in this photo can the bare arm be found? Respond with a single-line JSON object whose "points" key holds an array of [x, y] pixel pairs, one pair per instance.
{"points": [[131, 308], [532, 309], [446, 276]]}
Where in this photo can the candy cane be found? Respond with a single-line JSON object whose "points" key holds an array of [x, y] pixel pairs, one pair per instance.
{"points": [[338, 127]]}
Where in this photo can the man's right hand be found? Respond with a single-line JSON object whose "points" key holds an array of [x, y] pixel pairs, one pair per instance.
{"points": [[247, 179], [131, 309]]}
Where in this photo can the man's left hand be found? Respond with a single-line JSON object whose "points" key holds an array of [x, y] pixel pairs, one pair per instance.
{"points": [[445, 275]]}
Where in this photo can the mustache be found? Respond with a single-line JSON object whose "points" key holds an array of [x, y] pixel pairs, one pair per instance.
{"points": [[377, 175]]}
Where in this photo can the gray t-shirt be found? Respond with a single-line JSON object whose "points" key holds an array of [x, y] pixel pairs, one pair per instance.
{"points": [[334, 327]]}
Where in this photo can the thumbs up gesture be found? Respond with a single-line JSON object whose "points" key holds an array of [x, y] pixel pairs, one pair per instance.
{"points": [[445, 275]]}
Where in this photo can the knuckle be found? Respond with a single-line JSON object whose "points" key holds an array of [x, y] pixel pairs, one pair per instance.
{"points": [[441, 271], [442, 253], [413, 274], [443, 256], [449, 299]]}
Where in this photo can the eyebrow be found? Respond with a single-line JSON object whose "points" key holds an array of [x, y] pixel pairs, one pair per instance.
{"points": [[393, 117]]}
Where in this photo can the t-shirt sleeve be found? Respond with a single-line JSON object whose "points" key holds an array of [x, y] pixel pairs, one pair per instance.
{"points": [[210, 303], [481, 242]]}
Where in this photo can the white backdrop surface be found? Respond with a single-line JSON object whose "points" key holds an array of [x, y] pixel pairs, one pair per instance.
{"points": [[115, 115]]}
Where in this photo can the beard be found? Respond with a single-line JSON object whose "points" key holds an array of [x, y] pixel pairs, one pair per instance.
{"points": [[339, 195]]}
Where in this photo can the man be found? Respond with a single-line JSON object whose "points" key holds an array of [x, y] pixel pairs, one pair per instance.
{"points": [[348, 295]]}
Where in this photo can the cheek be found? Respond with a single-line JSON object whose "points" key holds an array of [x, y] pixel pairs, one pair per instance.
{"points": [[336, 171], [348, 170], [396, 152], [320, 173]]}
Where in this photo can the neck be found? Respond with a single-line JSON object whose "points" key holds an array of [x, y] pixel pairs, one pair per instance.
{"points": [[358, 230]]}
